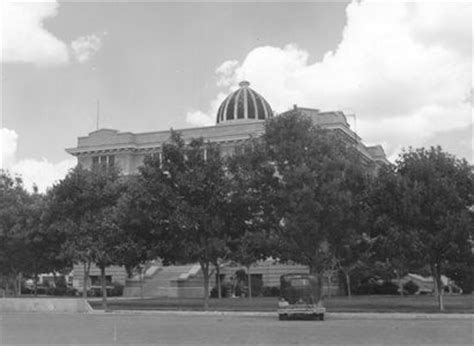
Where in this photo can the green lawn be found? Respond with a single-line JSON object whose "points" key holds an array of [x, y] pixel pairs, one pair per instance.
{"points": [[376, 303]]}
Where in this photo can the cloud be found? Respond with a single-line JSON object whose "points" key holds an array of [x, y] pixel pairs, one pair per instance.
{"points": [[199, 118], [85, 47], [8, 145], [41, 173], [459, 140], [404, 69], [24, 38], [225, 72]]}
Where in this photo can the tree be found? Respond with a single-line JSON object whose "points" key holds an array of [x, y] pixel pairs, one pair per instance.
{"points": [[14, 201], [135, 214], [350, 243], [190, 192], [42, 243], [254, 181], [84, 204], [395, 241], [315, 167], [434, 195]]}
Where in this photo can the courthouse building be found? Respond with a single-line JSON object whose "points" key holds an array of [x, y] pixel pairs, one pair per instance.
{"points": [[240, 116]]}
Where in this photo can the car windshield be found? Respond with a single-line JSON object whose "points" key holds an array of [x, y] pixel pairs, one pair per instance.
{"points": [[300, 282]]}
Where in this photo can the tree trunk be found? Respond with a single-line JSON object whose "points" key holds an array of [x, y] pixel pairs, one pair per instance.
{"points": [[142, 274], [36, 284], [87, 267], [219, 288], [7, 285], [348, 283], [205, 274], [104, 287], [15, 285], [319, 276], [438, 283], [399, 282], [249, 282], [19, 284], [329, 280]]}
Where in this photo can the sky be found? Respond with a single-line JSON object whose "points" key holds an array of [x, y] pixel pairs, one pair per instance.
{"points": [[403, 68]]}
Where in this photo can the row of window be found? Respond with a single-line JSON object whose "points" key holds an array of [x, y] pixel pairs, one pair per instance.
{"points": [[106, 161], [103, 162]]}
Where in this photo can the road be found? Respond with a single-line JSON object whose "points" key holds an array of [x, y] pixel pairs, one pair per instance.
{"points": [[63, 329]]}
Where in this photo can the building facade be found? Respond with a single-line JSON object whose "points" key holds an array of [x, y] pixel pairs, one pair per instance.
{"points": [[241, 116]]}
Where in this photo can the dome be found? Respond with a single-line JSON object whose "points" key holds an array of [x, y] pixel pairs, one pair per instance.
{"points": [[244, 104]]}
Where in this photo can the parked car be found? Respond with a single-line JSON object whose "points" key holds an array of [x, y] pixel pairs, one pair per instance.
{"points": [[300, 296]]}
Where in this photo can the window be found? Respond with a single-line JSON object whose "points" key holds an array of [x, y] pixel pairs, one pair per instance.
{"points": [[103, 162], [156, 157], [300, 282]]}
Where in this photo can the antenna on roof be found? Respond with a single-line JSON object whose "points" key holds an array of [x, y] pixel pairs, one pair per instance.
{"points": [[98, 112]]}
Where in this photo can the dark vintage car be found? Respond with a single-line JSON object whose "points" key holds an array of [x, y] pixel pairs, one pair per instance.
{"points": [[300, 296]]}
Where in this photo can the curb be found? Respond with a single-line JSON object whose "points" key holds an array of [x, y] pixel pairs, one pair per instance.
{"points": [[329, 315]]}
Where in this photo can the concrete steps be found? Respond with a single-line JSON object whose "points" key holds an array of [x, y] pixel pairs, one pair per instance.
{"points": [[161, 281]]}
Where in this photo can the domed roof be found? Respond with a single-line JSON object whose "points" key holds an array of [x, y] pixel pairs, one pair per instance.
{"points": [[244, 104]]}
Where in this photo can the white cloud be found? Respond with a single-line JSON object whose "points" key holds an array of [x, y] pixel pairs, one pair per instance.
{"points": [[85, 47], [199, 118], [404, 68], [24, 38], [225, 72], [41, 173], [8, 145]]}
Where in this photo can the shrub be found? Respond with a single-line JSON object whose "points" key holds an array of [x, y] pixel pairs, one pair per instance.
{"points": [[213, 293], [225, 291], [275, 291], [268, 291], [410, 287], [365, 288], [57, 291], [117, 290]]}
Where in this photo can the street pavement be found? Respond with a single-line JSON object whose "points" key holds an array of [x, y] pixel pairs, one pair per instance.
{"points": [[184, 329]]}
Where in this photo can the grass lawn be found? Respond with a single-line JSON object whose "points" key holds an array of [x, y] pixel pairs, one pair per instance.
{"points": [[375, 303]]}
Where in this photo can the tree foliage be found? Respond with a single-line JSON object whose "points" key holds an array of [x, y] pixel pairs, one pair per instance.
{"points": [[14, 201], [320, 177], [189, 203], [84, 205], [424, 206]]}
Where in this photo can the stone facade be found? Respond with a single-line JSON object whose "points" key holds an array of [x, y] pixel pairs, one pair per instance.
{"points": [[128, 150]]}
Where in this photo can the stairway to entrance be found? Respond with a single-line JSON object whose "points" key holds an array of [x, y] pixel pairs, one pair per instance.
{"points": [[163, 281]]}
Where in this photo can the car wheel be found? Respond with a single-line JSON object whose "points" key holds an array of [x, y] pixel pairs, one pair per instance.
{"points": [[282, 317], [321, 317]]}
